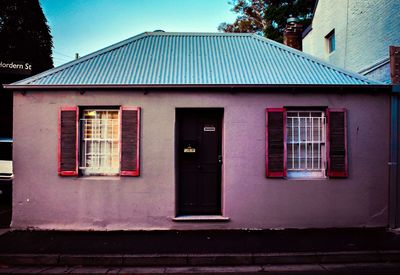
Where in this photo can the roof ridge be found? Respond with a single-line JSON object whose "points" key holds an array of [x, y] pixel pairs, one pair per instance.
{"points": [[82, 59], [163, 33], [317, 60]]}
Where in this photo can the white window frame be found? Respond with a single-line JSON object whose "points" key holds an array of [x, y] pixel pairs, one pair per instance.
{"points": [[302, 136], [6, 165], [330, 41], [100, 149]]}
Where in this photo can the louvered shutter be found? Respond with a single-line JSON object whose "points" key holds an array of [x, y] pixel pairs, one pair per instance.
{"points": [[68, 142], [337, 143], [130, 140], [395, 64], [276, 142]]}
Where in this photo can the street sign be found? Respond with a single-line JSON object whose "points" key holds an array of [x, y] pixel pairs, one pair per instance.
{"points": [[15, 67]]}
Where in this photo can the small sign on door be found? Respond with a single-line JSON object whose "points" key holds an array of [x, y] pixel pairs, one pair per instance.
{"points": [[209, 129], [189, 150]]}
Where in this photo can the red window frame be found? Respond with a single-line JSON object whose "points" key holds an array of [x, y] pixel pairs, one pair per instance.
{"points": [[75, 172], [330, 172]]}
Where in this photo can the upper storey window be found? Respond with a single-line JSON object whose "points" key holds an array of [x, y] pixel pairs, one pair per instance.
{"points": [[330, 41]]}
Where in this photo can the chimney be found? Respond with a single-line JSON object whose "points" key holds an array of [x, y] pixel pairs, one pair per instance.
{"points": [[395, 64], [292, 34]]}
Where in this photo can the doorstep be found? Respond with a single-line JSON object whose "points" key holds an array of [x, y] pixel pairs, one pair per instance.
{"points": [[189, 218], [4, 230]]}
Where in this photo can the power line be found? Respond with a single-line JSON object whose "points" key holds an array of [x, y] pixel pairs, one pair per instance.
{"points": [[60, 53], [60, 57], [62, 60]]}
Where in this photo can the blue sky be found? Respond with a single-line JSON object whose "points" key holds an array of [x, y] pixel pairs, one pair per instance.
{"points": [[84, 26]]}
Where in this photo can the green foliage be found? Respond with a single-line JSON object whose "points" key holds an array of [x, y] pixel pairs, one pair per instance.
{"points": [[268, 17], [24, 34]]}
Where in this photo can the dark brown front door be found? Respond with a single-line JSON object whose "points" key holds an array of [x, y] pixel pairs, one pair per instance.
{"points": [[199, 161]]}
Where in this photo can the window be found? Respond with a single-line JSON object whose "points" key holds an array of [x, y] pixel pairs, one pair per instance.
{"points": [[100, 142], [6, 164], [306, 143], [330, 41], [104, 141]]}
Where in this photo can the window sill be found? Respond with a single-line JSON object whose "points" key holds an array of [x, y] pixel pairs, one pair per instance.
{"points": [[201, 218], [306, 175], [308, 179], [6, 178], [99, 178]]}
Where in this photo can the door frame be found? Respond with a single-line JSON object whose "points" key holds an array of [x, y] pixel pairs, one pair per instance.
{"points": [[176, 156]]}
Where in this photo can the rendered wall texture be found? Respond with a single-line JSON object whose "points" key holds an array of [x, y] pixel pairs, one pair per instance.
{"points": [[364, 31], [42, 199]]}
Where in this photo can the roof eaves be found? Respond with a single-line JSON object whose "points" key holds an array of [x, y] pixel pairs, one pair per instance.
{"points": [[194, 86], [80, 60], [314, 10], [319, 61]]}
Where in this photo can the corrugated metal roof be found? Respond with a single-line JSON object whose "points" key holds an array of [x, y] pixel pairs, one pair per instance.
{"points": [[161, 58]]}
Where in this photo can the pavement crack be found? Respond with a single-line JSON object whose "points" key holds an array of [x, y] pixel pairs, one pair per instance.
{"points": [[323, 267]]}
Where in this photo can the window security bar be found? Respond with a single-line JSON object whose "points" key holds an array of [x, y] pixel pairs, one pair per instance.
{"points": [[306, 141]]}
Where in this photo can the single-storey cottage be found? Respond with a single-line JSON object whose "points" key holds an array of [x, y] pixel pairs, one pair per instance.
{"points": [[200, 131]]}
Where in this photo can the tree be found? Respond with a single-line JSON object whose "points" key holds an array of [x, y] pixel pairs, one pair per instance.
{"points": [[268, 17], [24, 34]]}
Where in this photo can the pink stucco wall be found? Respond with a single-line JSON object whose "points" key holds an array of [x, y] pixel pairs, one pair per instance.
{"points": [[42, 199]]}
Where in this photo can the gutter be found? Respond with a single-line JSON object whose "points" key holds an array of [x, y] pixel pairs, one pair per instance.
{"points": [[374, 66], [293, 87]]}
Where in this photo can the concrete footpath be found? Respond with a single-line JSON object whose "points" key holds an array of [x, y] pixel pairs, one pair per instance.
{"points": [[341, 251]]}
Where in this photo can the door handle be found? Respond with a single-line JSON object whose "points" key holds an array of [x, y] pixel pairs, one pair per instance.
{"points": [[220, 159]]}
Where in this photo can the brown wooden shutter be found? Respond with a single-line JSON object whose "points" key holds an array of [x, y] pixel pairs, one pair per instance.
{"points": [[276, 142], [130, 140], [394, 64], [68, 142], [337, 143]]}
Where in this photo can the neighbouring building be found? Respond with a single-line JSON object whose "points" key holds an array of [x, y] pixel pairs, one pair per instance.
{"points": [[6, 171], [200, 131], [10, 71], [355, 35]]}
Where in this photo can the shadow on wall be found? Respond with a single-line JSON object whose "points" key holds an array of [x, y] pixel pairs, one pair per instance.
{"points": [[5, 203]]}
